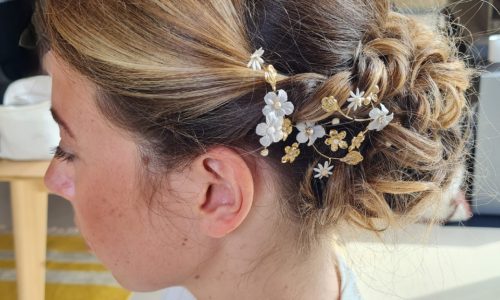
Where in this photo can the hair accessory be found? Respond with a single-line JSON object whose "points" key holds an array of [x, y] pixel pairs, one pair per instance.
{"points": [[256, 60], [324, 170], [309, 132], [277, 127]]}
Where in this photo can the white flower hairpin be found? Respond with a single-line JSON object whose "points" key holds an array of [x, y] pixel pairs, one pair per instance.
{"points": [[277, 127], [324, 170], [309, 132], [271, 131], [277, 105], [356, 100], [256, 60], [380, 118]]}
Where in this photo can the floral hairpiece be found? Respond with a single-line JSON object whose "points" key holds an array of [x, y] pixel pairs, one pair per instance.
{"points": [[278, 127]]}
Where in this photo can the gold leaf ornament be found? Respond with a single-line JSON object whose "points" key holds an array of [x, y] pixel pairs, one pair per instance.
{"points": [[287, 128], [357, 141], [292, 152], [352, 158], [330, 104]]}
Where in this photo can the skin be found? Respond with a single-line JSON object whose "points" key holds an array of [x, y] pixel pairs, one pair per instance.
{"points": [[213, 227]]}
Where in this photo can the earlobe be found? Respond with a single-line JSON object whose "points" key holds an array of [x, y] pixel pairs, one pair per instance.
{"points": [[229, 191]]}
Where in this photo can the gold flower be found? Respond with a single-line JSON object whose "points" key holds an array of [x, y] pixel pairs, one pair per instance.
{"points": [[352, 158], [270, 75], [336, 140], [357, 141], [286, 128], [330, 104], [292, 152]]}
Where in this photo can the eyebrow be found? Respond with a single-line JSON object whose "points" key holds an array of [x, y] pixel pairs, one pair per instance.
{"points": [[61, 123]]}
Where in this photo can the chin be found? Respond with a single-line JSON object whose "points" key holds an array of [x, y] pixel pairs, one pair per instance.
{"points": [[131, 285], [137, 284]]}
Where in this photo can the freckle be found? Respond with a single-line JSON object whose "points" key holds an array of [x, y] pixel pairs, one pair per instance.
{"points": [[185, 239], [197, 277], [183, 244]]}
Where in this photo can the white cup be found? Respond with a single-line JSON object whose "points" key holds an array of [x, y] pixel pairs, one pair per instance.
{"points": [[494, 48]]}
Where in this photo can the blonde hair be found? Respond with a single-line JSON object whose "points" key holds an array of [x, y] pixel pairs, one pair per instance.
{"points": [[174, 74]]}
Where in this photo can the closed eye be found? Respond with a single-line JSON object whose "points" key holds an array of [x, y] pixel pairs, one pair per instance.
{"points": [[62, 155]]}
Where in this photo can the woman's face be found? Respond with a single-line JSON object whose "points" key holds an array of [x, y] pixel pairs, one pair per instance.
{"points": [[100, 174]]}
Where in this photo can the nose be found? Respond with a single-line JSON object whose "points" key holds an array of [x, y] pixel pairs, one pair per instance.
{"points": [[59, 179]]}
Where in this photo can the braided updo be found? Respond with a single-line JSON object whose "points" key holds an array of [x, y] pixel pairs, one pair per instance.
{"points": [[175, 75]]}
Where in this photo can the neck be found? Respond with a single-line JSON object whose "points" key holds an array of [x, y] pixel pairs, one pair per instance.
{"points": [[275, 273], [260, 260]]}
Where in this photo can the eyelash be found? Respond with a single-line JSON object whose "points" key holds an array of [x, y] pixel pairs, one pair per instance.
{"points": [[62, 155]]}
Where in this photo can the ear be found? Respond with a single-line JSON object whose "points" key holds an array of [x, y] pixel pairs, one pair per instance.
{"points": [[228, 192]]}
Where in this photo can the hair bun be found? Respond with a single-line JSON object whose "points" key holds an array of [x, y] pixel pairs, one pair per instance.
{"points": [[422, 80]]}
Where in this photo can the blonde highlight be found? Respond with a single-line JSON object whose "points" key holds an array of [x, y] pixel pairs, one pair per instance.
{"points": [[175, 75]]}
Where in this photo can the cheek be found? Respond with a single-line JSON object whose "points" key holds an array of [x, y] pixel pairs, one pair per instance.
{"points": [[136, 243], [111, 218], [106, 202], [146, 244]]}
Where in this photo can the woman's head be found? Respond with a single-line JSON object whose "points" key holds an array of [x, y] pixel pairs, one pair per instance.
{"points": [[169, 81]]}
